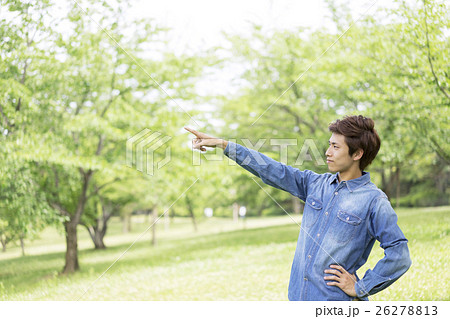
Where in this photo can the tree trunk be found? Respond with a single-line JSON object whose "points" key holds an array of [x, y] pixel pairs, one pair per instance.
{"points": [[260, 210], [22, 245], [71, 247], [4, 242], [71, 226], [397, 191], [191, 212], [126, 223], [128, 217], [98, 231], [194, 223], [261, 207], [387, 182], [96, 237], [147, 216], [235, 212], [98, 242], [383, 180]]}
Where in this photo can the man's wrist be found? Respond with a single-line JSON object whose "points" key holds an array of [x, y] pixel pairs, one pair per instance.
{"points": [[222, 144]]}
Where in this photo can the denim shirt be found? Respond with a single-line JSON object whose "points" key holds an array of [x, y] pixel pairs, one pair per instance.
{"points": [[340, 224]]}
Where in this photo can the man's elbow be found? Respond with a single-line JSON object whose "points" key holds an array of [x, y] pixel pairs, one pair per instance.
{"points": [[406, 260]]}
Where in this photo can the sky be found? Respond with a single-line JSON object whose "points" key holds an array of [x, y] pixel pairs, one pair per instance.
{"points": [[197, 24]]}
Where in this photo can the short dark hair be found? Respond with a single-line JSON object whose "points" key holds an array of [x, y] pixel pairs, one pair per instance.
{"points": [[359, 133]]}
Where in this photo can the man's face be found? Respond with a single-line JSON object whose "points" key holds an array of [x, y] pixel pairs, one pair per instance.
{"points": [[338, 159]]}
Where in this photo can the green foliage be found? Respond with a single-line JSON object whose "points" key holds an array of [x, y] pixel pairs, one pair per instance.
{"points": [[391, 66], [69, 100], [24, 211]]}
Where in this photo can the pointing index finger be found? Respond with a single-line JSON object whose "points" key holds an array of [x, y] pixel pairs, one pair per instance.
{"points": [[191, 130]]}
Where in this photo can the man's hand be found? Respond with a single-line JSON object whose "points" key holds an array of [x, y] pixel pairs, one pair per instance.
{"points": [[343, 279], [203, 140]]}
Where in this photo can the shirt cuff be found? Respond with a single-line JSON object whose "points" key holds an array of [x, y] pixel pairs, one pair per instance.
{"points": [[361, 290], [230, 150]]}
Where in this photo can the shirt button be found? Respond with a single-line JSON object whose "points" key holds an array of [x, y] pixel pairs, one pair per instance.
{"points": [[309, 256], [335, 193], [305, 278], [326, 213], [313, 203], [318, 235]]}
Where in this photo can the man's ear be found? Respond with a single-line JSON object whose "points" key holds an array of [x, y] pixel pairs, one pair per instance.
{"points": [[358, 154]]}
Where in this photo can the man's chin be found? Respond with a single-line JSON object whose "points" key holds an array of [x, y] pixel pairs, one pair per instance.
{"points": [[332, 170]]}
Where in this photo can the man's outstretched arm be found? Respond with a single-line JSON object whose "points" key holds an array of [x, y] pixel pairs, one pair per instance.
{"points": [[271, 172]]}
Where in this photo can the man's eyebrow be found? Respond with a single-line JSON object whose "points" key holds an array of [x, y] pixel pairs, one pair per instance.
{"points": [[332, 143]]}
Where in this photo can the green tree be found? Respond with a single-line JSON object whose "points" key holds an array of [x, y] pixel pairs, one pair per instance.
{"points": [[24, 211], [85, 96], [393, 71]]}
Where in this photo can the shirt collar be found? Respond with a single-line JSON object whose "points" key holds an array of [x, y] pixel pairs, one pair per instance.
{"points": [[353, 183]]}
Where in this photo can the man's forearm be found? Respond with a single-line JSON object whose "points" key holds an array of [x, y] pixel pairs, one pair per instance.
{"points": [[222, 144], [392, 266]]}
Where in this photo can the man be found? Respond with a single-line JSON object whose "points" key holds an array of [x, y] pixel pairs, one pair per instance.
{"points": [[345, 213]]}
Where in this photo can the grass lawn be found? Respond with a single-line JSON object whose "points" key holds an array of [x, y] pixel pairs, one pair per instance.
{"points": [[222, 261]]}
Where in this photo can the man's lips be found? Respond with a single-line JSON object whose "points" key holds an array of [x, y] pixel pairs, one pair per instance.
{"points": [[329, 161]]}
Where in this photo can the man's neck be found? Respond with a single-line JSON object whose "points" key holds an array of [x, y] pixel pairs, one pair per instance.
{"points": [[348, 175]]}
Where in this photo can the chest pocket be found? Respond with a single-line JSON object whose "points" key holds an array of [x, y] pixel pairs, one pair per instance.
{"points": [[345, 226], [313, 207]]}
